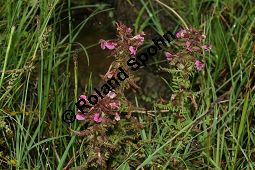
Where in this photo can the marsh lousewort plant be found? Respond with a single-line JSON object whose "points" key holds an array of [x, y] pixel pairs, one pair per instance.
{"points": [[110, 132], [185, 58]]}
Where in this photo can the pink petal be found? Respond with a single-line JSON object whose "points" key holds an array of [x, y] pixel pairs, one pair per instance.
{"points": [[188, 46], [111, 94], [132, 50], [140, 37], [107, 44], [181, 33], [199, 65], [109, 74], [102, 43], [115, 105], [207, 47], [110, 45], [129, 30], [169, 56], [97, 118], [83, 97], [80, 116], [117, 116]]}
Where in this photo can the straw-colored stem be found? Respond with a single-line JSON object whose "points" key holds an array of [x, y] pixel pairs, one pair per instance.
{"points": [[175, 13]]}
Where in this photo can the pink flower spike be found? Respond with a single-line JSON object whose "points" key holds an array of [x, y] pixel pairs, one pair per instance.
{"points": [[97, 118], [115, 105], [207, 47], [199, 65], [107, 44], [169, 56], [111, 95], [117, 116], [80, 116], [132, 50]]}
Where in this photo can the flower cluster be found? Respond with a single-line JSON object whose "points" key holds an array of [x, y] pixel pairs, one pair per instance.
{"points": [[125, 38], [124, 47], [185, 57], [192, 41], [97, 113]]}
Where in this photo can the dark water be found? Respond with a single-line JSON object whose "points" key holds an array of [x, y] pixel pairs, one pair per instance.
{"points": [[100, 27], [98, 60]]}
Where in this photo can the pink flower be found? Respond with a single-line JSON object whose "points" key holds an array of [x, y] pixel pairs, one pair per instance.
{"points": [[83, 97], [129, 30], [140, 37], [117, 116], [80, 116], [207, 47], [132, 50], [188, 46], [111, 95], [169, 56], [97, 118], [108, 44], [181, 33], [199, 65], [109, 74], [115, 105]]}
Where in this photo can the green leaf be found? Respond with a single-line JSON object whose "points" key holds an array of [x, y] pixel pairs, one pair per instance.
{"points": [[124, 166]]}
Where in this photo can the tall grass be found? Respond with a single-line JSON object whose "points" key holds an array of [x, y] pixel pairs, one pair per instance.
{"points": [[34, 83], [226, 135]]}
